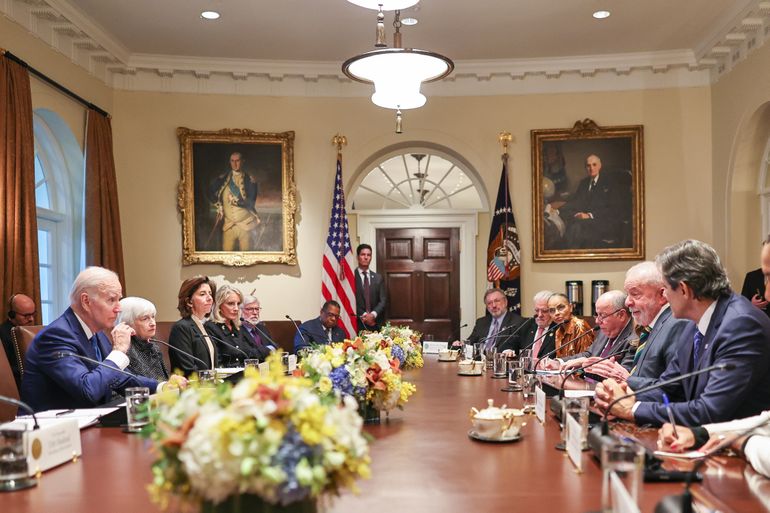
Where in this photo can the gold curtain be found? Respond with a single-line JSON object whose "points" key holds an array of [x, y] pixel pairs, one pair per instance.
{"points": [[103, 242], [18, 221]]}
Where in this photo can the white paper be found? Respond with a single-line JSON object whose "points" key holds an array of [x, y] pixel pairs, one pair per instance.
{"points": [[432, 347], [578, 393], [692, 455], [84, 416], [228, 371], [264, 369], [622, 502], [574, 442], [540, 403], [546, 372]]}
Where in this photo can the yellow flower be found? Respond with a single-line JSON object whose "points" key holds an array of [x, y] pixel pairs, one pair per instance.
{"points": [[325, 385]]}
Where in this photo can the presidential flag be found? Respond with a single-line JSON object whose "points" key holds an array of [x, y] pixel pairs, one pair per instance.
{"points": [[337, 280], [504, 251]]}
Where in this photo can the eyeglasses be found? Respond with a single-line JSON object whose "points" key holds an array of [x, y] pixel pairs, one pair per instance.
{"points": [[539, 311], [600, 316], [27, 315], [559, 308], [252, 308]]}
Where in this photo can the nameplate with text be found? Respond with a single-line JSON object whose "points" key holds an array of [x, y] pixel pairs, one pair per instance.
{"points": [[574, 441], [291, 363], [52, 445], [540, 404], [432, 347]]}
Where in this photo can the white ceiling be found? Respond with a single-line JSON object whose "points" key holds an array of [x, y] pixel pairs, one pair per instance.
{"points": [[332, 30]]}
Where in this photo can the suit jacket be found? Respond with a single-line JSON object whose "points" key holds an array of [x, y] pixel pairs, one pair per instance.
{"points": [[528, 339], [754, 283], [313, 332], [621, 343], [661, 348], [52, 382], [609, 203], [508, 339], [186, 336], [378, 298], [230, 345], [738, 334], [265, 345]]}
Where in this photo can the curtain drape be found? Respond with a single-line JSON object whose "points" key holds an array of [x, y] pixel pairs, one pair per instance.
{"points": [[103, 242], [18, 219]]}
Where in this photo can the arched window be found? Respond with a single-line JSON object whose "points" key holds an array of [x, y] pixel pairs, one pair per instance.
{"points": [[59, 177]]}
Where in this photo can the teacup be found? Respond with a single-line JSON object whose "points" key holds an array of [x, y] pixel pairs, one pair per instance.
{"points": [[469, 366], [448, 354], [497, 423]]}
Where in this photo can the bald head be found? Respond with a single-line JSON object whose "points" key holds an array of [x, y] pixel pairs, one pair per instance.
{"points": [[21, 310]]}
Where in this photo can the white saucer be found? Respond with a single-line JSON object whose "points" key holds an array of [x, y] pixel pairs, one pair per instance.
{"points": [[469, 373], [475, 436]]}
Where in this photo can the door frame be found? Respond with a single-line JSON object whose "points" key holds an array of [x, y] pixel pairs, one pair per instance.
{"points": [[369, 221]]}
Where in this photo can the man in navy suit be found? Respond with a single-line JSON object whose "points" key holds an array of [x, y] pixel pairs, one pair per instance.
{"points": [[54, 377], [499, 330], [371, 296], [725, 328], [321, 330]]}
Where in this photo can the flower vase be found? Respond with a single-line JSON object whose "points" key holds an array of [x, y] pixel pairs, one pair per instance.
{"points": [[369, 413], [248, 503]]}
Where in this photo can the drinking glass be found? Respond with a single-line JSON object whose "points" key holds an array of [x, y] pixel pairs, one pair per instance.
{"points": [[137, 408], [207, 378], [251, 363], [528, 384], [514, 375], [578, 408], [13, 462], [626, 459], [500, 365]]}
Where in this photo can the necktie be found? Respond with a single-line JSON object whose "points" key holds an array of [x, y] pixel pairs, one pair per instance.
{"points": [[492, 339], [329, 334], [539, 343], [592, 185], [95, 345], [607, 348], [367, 299], [257, 338], [643, 336], [696, 339]]}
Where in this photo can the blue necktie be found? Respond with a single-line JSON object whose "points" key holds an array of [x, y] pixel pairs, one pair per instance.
{"points": [[95, 344], [697, 339]]}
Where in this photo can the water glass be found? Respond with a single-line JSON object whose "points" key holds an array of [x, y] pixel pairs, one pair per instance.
{"points": [[578, 408], [251, 363], [528, 385], [137, 408], [207, 378], [514, 374], [500, 365], [626, 459], [13, 461]]}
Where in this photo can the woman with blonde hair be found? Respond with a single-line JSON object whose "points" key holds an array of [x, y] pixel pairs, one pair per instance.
{"points": [[224, 326]]}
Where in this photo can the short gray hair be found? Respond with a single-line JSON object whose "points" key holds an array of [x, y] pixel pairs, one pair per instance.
{"points": [[543, 295], [697, 264], [616, 298], [491, 291], [647, 273], [222, 292], [247, 300], [91, 279], [131, 308]]}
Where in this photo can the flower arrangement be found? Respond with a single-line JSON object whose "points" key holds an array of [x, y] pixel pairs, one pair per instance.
{"points": [[367, 369], [272, 437], [408, 341]]}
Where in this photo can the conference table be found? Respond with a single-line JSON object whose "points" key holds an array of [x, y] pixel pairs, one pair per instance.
{"points": [[422, 461]]}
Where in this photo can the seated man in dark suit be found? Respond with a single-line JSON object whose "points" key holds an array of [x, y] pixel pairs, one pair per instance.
{"points": [[725, 329], [54, 377], [659, 331], [253, 330], [617, 332], [498, 330], [536, 336], [322, 329], [755, 285], [21, 312]]}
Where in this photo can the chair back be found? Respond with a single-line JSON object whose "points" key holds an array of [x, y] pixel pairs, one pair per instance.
{"points": [[283, 332], [162, 331], [22, 337], [8, 389]]}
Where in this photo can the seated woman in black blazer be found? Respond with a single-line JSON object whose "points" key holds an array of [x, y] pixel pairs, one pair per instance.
{"points": [[197, 351], [224, 326], [145, 355]]}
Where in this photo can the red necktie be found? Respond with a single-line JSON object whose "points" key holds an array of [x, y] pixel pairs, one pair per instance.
{"points": [[539, 343]]}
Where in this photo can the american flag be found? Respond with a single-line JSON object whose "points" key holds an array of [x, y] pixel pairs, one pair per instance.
{"points": [[337, 281]]}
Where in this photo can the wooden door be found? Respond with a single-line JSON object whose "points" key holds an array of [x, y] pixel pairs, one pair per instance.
{"points": [[421, 268]]}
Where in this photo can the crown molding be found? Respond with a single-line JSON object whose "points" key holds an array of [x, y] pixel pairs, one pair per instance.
{"points": [[69, 31]]}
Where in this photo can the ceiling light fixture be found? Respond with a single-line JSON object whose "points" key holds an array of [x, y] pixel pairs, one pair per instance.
{"points": [[397, 73], [409, 21], [600, 15], [210, 15]]}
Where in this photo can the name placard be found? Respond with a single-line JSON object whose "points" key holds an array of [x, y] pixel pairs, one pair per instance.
{"points": [[264, 369], [574, 441], [52, 445], [540, 404], [432, 347], [622, 501], [292, 363]]}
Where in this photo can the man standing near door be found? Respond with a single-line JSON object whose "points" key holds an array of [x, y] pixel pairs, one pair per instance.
{"points": [[371, 297]]}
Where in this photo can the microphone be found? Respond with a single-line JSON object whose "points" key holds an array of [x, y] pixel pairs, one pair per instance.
{"points": [[244, 353], [683, 503], [64, 354], [180, 351], [24, 406], [719, 366], [545, 334], [272, 342], [570, 372], [296, 326], [575, 339]]}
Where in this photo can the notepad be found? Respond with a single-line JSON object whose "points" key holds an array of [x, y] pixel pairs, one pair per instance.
{"points": [[692, 455]]}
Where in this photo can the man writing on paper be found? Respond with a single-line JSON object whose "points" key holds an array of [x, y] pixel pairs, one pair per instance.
{"points": [[725, 329]]}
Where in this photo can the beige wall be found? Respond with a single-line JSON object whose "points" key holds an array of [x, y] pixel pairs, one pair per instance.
{"points": [[677, 130], [741, 121]]}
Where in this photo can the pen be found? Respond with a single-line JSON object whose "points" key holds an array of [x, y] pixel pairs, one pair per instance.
{"points": [[670, 414], [65, 412]]}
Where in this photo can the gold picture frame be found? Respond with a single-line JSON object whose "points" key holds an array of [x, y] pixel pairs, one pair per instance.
{"points": [[237, 197], [577, 218]]}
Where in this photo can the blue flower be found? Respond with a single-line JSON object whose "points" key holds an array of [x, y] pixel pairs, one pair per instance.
{"points": [[397, 352], [341, 380], [289, 454]]}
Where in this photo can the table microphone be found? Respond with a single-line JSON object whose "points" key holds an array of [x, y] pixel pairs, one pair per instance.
{"points": [[719, 366], [180, 351], [683, 503], [545, 334], [575, 339], [296, 326], [64, 354], [221, 341], [570, 372], [21, 404]]}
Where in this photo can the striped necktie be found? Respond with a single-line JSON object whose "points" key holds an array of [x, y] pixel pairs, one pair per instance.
{"points": [[643, 336]]}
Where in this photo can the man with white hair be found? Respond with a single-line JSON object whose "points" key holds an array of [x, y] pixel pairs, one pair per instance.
{"points": [[55, 376], [253, 330]]}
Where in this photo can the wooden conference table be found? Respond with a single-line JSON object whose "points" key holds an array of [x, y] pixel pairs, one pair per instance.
{"points": [[422, 461]]}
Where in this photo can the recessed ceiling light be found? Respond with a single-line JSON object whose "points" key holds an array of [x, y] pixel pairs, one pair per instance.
{"points": [[409, 21], [600, 15], [210, 15]]}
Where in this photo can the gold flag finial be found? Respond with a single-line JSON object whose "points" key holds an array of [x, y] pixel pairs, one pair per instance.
{"points": [[339, 141], [505, 139]]}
